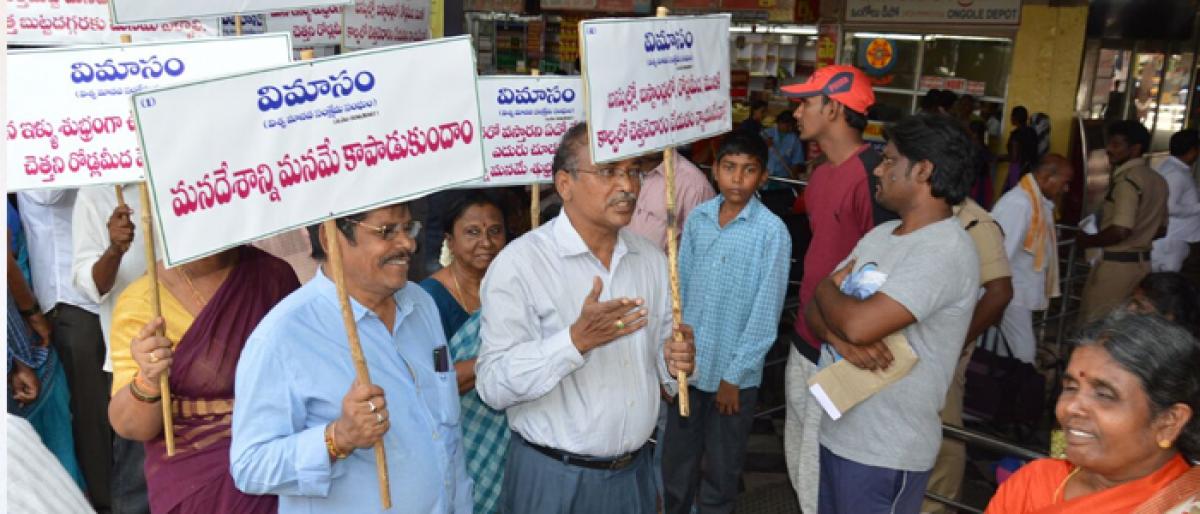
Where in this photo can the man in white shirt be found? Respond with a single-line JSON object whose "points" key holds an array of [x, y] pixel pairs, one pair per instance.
{"points": [[577, 339], [1026, 214], [108, 256], [1183, 204], [46, 215]]}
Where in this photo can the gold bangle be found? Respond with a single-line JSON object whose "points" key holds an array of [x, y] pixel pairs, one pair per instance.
{"points": [[141, 396], [144, 386], [331, 444]]}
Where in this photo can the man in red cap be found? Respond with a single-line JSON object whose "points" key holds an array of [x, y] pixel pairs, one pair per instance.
{"points": [[841, 208]]}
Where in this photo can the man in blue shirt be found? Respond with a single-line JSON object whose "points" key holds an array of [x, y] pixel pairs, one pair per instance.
{"points": [[733, 267], [786, 150], [303, 427], [784, 157]]}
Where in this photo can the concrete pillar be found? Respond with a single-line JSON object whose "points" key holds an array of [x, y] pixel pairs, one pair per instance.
{"points": [[1047, 56]]}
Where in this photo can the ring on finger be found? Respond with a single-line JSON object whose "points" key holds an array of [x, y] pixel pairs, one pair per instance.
{"points": [[371, 405], [620, 325], [378, 418]]}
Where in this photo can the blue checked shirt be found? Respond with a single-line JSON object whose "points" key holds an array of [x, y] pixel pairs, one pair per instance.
{"points": [[733, 280], [291, 378]]}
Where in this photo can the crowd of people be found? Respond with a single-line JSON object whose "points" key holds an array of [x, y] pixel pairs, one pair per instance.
{"points": [[538, 372]]}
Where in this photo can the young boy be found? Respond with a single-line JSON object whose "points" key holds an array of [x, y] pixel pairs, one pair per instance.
{"points": [[733, 266]]}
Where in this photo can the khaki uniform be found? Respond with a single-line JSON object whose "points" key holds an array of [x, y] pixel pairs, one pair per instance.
{"points": [[947, 475], [1137, 200]]}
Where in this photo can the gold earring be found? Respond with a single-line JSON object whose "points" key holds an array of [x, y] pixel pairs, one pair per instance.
{"points": [[1164, 444]]}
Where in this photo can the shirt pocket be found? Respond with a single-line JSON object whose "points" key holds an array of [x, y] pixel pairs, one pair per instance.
{"points": [[448, 412]]}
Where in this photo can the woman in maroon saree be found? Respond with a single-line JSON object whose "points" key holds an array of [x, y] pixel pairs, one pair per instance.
{"points": [[209, 307]]}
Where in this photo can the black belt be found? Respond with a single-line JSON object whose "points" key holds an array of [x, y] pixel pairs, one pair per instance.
{"points": [[615, 463], [1127, 256]]}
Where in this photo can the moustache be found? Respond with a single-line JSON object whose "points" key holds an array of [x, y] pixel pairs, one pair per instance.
{"points": [[404, 254], [623, 196]]}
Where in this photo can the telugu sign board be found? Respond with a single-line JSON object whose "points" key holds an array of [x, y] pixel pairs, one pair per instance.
{"points": [[297, 144], [139, 11], [653, 83], [376, 23], [69, 122], [58, 22], [523, 119], [962, 12], [321, 26]]}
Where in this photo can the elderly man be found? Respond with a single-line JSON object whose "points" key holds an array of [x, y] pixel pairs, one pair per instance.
{"points": [[303, 427], [1026, 213], [577, 339]]}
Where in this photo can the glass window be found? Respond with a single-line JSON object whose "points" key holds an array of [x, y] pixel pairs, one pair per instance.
{"points": [[977, 61]]}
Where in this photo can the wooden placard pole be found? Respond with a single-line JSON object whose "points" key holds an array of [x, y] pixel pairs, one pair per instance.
{"points": [[356, 353], [237, 25], [164, 384], [125, 40], [673, 261], [535, 191]]}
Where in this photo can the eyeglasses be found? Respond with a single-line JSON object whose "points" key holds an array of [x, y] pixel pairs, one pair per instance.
{"points": [[607, 173], [388, 232]]}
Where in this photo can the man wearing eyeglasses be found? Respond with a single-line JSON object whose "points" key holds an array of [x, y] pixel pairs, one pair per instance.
{"points": [[577, 338], [303, 427]]}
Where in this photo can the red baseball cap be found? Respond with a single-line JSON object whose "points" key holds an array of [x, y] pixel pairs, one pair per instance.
{"points": [[846, 84]]}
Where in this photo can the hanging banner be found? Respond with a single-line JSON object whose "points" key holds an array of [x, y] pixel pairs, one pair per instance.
{"points": [[828, 36], [140, 11], [655, 82], [294, 145], [321, 26], [69, 123], [958, 12], [251, 24], [375, 23], [523, 119], [57, 22]]}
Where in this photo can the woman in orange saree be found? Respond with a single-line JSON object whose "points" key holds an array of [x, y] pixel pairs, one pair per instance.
{"points": [[1127, 408]]}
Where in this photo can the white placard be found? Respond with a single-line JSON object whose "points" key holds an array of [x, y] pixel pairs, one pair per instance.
{"points": [[960, 12], [69, 119], [375, 23], [273, 150], [524, 118], [655, 82], [56, 22], [309, 27], [138, 11]]}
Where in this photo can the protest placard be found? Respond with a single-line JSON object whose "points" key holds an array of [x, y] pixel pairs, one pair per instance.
{"points": [[523, 118], [139, 11], [70, 123], [297, 144], [309, 27], [58, 22], [375, 23], [653, 83]]}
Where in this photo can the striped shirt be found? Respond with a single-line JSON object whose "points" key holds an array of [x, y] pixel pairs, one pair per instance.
{"points": [[36, 481]]}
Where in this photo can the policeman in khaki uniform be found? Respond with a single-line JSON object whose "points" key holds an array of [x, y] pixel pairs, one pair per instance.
{"points": [[1133, 215], [995, 279]]}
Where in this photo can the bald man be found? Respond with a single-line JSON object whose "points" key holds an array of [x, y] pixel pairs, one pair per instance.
{"points": [[1026, 214]]}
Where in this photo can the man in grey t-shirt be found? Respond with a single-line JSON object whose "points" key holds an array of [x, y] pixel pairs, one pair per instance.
{"points": [[877, 456]]}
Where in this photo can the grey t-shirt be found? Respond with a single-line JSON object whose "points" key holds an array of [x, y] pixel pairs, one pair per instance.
{"points": [[934, 273]]}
